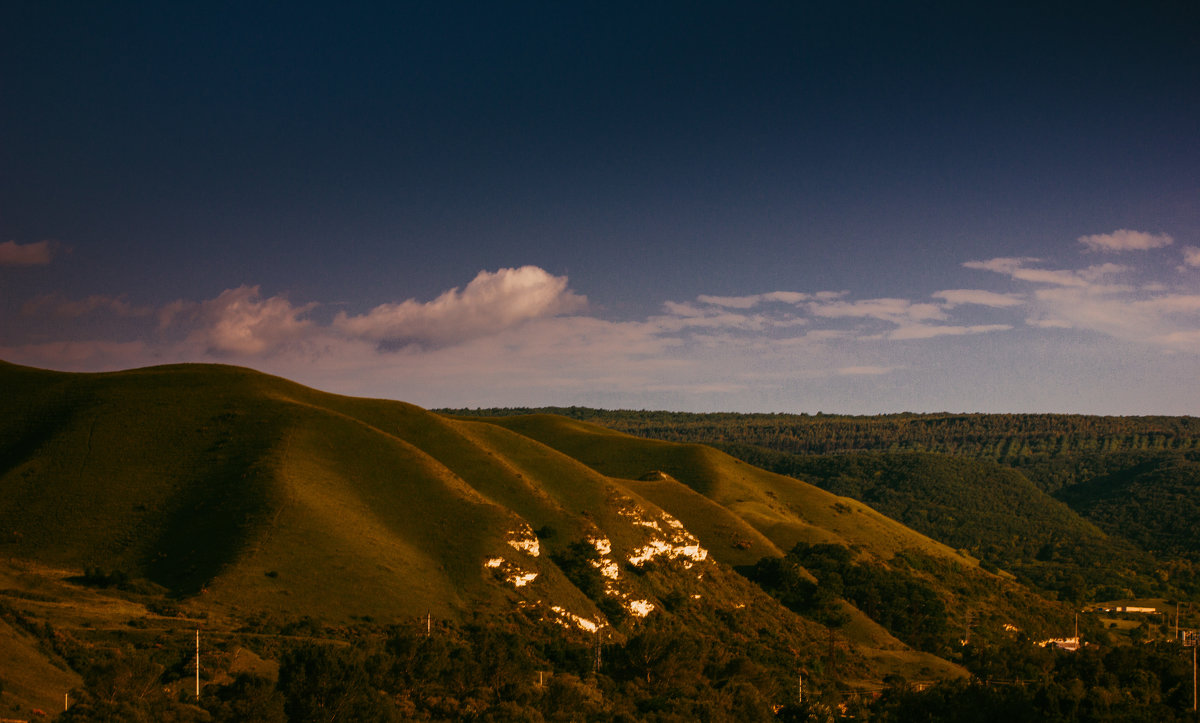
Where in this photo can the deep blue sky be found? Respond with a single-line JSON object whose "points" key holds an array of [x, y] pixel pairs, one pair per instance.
{"points": [[268, 184]]}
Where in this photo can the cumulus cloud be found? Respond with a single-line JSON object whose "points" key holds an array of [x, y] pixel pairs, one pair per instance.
{"points": [[240, 322], [1124, 239], [492, 302], [37, 253]]}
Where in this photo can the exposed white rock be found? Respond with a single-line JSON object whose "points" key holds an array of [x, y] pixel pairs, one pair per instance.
{"points": [[567, 618], [521, 579], [609, 569], [525, 541], [494, 562], [602, 544], [640, 608], [692, 552]]}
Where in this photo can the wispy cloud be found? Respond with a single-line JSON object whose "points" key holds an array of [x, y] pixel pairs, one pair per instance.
{"points": [[782, 297], [1020, 269], [1124, 239], [1191, 256], [1091, 299], [57, 305], [977, 297], [38, 253]]}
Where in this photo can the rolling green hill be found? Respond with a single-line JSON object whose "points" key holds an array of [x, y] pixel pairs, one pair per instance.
{"points": [[449, 563], [243, 497]]}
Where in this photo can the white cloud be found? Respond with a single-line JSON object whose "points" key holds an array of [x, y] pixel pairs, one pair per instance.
{"points": [[1124, 239], [977, 297], [37, 253], [491, 303]]}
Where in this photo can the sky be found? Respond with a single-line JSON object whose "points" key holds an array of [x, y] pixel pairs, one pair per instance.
{"points": [[858, 207]]}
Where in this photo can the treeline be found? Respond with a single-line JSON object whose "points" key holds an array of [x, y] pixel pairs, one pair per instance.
{"points": [[1026, 441]]}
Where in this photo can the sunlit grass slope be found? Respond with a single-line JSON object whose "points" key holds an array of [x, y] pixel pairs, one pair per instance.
{"points": [[254, 491], [780, 509]]}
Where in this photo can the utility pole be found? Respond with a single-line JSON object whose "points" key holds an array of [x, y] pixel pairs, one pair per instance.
{"points": [[197, 663], [799, 688], [428, 623]]}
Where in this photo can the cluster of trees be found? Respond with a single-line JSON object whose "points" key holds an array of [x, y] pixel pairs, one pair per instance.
{"points": [[991, 511], [498, 671], [1151, 500], [1020, 681], [895, 598], [506, 671]]}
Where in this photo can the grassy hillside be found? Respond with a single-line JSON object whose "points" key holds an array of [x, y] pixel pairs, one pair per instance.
{"points": [[238, 501], [787, 512]]}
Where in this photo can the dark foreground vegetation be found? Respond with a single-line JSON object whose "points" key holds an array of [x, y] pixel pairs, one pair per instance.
{"points": [[513, 670]]}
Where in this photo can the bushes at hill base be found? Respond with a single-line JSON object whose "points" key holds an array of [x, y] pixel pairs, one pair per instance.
{"points": [[896, 599]]}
